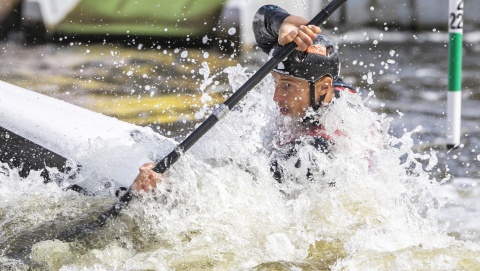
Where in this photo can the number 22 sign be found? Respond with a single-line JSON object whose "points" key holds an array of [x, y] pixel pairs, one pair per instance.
{"points": [[455, 24]]}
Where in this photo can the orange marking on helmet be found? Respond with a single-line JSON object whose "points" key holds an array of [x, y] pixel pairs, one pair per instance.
{"points": [[317, 49]]}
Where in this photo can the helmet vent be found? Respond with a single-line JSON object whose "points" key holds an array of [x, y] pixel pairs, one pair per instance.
{"points": [[330, 50], [301, 56]]}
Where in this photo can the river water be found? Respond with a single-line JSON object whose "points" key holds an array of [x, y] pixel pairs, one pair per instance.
{"points": [[409, 204]]}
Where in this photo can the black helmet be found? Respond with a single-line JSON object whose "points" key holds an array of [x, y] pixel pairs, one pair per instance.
{"points": [[318, 60]]}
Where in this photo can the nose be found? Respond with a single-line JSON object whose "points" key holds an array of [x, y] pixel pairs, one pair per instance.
{"points": [[278, 95]]}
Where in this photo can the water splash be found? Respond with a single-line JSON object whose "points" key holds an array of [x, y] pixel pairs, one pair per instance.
{"points": [[368, 206]]}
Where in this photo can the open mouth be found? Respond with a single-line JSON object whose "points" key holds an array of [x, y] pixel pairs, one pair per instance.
{"points": [[283, 110]]}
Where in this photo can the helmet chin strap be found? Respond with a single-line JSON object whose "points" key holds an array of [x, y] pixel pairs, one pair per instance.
{"points": [[313, 104]]}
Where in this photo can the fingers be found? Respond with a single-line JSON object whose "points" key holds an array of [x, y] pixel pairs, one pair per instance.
{"points": [[303, 36], [146, 182], [146, 179], [154, 177], [282, 40], [313, 30], [148, 185]]}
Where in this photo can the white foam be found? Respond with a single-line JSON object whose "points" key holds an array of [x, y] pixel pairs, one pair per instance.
{"points": [[369, 207]]}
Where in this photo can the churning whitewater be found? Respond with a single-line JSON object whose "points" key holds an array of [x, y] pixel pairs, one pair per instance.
{"points": [[369, 205]]}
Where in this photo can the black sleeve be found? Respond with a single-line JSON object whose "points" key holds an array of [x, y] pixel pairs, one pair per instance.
{"points": [[266, 24]]}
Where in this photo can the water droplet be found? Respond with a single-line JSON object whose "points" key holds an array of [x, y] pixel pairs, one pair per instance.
{"points": [[232, 31], [205, 39]]}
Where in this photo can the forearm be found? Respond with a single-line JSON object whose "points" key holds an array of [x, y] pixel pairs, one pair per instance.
{"points": [[266, 26]]}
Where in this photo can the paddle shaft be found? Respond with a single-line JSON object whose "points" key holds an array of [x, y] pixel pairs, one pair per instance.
{"points": [[221, 111]]}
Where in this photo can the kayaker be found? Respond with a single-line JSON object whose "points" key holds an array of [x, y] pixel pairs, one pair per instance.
{"points": [[304, 82], [307, 80]]}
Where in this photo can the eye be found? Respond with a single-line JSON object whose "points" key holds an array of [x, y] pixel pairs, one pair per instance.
{"points": [[285, 86]]}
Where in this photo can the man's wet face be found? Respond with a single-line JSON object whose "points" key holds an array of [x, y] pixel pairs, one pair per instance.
{"points": [[291, 95]]}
